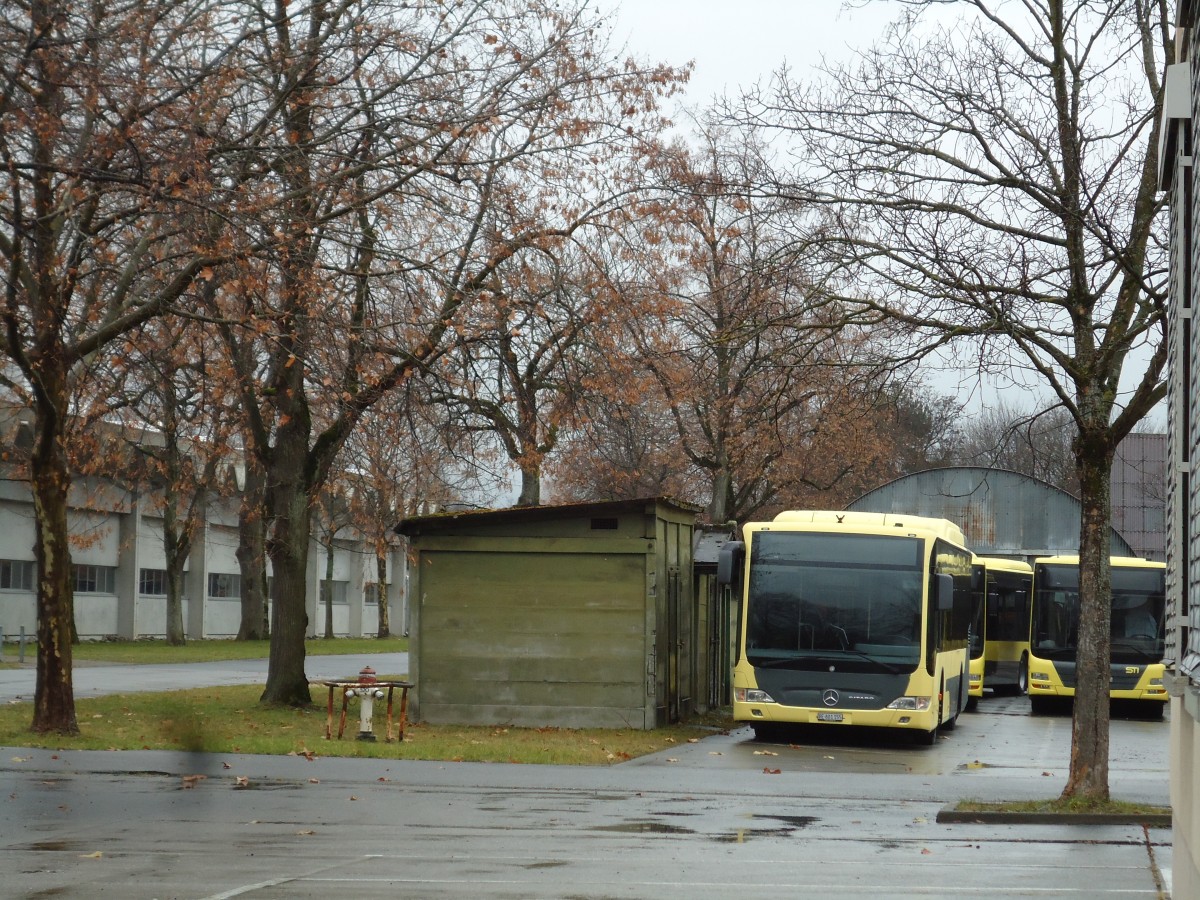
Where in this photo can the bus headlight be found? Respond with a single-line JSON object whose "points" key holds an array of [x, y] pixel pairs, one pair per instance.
{"points": [[751, 695], [915, 703], [1157, 681], [1038, 676]]}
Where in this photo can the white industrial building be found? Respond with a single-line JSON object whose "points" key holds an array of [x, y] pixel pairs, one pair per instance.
{"points": [[120, 578]]}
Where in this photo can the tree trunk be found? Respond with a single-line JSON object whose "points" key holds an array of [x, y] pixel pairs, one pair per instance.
{"points": [[252, 555], [722, 495], [175, 632], [531, 486], [54, 694], [385, 625], [1093, 673], [175, 557], [287, 546]]}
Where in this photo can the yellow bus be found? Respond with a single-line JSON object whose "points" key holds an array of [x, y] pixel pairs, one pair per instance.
{"points": [[1138, 635], [1001, 594], [850, 619]]}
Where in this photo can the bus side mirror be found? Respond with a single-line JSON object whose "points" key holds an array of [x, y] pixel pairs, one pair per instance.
{"points": [[729, 560], [977, 578], [945, 592]]}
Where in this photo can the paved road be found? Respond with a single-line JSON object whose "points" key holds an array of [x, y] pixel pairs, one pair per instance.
{"points": [[831, 816], [92, 680]]}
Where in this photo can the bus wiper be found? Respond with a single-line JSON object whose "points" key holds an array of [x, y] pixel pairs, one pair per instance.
{"points": [[779, 662], [887, 667], [1145, 654]]}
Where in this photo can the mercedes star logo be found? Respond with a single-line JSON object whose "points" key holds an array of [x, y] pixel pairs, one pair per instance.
{"points": [[830, 697]]}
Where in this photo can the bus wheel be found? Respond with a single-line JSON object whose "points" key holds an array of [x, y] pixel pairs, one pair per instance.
{"points": [[953, 720], [1023, 675], [1042, 706], [765, 732], [1151, 711], [929, 738]]}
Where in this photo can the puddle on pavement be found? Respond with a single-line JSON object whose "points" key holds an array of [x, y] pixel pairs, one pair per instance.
{"points": [[790, 825], [264, 786], [644, 827], [55, 846], [48, 892], [793, 821]]}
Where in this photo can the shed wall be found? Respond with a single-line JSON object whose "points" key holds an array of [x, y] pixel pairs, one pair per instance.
{"points": [[564, 647]]}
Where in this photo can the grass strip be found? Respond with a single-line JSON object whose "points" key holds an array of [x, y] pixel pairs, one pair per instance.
{"points": [[1081, 806], [230, 720]]}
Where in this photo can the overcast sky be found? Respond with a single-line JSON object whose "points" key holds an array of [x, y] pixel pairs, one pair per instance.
{"points": [[737, 42]]}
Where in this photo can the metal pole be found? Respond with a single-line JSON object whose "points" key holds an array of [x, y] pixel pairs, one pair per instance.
{"points": [[21, 646]]}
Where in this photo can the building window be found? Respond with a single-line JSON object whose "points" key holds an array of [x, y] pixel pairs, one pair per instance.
{"points": [[339, 592], [371, 593], [16, 575], [225, 586], [152, 582], [95, 579]]}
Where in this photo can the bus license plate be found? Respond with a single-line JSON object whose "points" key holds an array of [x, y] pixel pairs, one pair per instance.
{"points": [[829, 717]]}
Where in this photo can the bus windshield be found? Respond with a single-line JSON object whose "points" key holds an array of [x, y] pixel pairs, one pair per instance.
{"points": [[813, 596], [1138, 604]]}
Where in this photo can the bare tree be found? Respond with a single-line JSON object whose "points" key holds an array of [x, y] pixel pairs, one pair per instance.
{"points": [[624, 446], [159, 425], [390, 142], [1035, 443], [992, 179], [752, 357], [332, 516], [395, 465], [516, 373], [105, 112]]}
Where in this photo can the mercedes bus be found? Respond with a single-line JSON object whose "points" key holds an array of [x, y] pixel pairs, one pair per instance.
{"points": [[1138, 633], [850, 619], [1001, 594]]}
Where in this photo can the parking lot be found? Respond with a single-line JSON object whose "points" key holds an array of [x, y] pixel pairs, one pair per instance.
{"points": [[832, 814]]}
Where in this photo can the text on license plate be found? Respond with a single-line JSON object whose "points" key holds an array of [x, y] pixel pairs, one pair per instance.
{"points": [[829, 717]]}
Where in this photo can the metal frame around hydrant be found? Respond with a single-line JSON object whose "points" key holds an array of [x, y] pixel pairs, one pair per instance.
{"points": [[367, 689]]}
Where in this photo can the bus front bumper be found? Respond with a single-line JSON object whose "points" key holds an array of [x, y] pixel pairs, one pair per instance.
{"points": [[1048, 684], [778, 714]]}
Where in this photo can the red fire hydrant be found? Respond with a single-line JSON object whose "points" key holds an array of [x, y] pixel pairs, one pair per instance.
{"points": [[367, 694]]}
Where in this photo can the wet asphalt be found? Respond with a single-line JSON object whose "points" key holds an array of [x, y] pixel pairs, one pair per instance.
{"points": [[828, 813]]}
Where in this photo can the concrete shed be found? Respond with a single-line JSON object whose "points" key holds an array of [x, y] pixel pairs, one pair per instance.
{"points": [[1002, 513], [577, 615]]}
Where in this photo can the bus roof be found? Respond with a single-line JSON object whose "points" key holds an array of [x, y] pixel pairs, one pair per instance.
{"points": [[1003, 564], [1116, 562], [869, 522]]}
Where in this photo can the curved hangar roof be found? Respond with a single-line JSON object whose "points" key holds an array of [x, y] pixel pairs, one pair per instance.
{"points": [[1001, 513]]}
